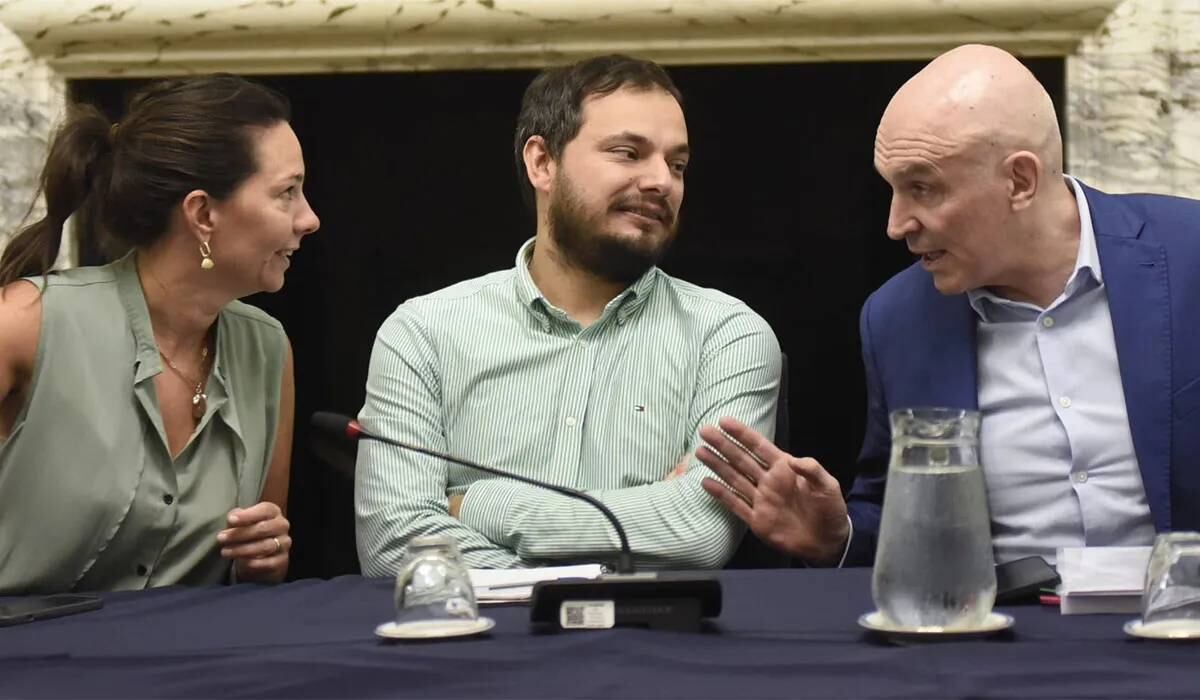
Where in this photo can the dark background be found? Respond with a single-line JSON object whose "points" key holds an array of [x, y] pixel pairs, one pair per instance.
{"points": [[412, 175]]}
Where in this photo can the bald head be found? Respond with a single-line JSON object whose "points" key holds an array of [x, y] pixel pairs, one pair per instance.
{"points": [[971, 149], [977, 97]]}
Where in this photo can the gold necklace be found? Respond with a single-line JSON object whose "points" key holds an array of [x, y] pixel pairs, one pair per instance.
{"points": [[199, 398]]}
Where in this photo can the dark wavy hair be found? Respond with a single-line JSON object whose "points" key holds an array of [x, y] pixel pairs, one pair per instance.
{"points": [[552, 106], [177, 136]]}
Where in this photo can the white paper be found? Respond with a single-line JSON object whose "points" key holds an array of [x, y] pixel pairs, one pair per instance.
{"points": [[1103, 570], [1102, 604], [516, 585], [1097, 580]]}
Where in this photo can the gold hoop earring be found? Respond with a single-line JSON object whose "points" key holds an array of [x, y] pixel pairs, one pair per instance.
{"points": [[206, 261]]}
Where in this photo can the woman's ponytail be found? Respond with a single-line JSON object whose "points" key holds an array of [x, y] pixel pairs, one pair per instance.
{"points": [[78, 164]]}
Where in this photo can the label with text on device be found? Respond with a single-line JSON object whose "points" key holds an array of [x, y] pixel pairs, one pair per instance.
{"points": [[587, 614]]}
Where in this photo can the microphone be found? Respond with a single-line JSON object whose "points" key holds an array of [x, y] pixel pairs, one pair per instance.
{"points": [[667, 600], [353, 430]]}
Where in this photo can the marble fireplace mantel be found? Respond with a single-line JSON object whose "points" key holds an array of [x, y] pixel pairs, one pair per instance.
{"points": [[1133, 66], [95, 38]]}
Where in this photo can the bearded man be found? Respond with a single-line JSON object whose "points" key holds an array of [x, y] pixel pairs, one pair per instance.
{"points": [[584, 365]]}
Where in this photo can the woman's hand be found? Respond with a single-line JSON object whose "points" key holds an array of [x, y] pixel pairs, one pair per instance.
{"points": [[257, 541]]}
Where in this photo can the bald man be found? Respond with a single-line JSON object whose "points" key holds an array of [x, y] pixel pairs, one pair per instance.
{"points": [[1068, 317]]}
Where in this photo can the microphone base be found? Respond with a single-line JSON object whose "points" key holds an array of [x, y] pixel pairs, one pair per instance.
{"points": [[664, 601]]}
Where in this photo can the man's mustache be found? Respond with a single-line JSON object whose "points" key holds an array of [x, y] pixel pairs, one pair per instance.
{"points": [[650, 206]]}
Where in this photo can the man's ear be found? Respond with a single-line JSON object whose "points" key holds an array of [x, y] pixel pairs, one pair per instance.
{"points": [[199, 214], [539, 164], [1024, 173]]}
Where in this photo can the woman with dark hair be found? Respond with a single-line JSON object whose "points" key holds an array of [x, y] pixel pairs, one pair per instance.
{"points": [[145, 413]]}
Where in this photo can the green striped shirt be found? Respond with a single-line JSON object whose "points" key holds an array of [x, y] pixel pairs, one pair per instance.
{"points": [[490, 371]]}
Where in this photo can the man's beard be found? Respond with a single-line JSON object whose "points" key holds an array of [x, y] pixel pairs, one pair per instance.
{"points": [[584, 242]]}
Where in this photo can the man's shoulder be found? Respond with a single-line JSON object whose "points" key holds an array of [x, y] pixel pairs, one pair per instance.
{"points": [[704, 302], [1168, 217], [909, 304], [1152, 204], [449, 306], [463, 294], [910, 290], [1177, 217], [712, 314]]}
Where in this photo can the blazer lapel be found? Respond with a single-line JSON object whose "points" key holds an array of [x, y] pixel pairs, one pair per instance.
{"points": [[934, 356], [1135, 277], [956, 356]]}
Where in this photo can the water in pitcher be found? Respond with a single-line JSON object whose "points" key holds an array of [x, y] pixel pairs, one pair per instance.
{"points": [[933, 561], [934, 565]]}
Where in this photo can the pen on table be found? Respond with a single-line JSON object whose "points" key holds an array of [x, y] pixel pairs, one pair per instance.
{"points": [[1049, 596]]}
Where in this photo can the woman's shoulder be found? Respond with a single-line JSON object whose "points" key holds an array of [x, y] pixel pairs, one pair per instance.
{"points": [[251, 318], [20, 296], [88, 282], [89, 292], [85, 276], [20, 324], [248, 331], [252, 351]]}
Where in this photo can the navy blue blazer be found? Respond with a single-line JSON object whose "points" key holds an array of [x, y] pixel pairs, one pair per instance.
{"points": [[919, 350]]}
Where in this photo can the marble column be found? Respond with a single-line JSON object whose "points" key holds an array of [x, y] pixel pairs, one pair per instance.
{"points": [[1133, 113], [1133, 116], [32, 98]]}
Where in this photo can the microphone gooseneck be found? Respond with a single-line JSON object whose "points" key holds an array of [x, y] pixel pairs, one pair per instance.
{"points": [[351, 429]]}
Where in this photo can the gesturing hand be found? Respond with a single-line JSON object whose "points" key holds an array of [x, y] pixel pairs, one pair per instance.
{"points": [[790, 503]]}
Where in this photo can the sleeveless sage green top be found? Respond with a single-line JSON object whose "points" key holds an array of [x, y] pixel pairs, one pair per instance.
{"points": [[90, 498]]}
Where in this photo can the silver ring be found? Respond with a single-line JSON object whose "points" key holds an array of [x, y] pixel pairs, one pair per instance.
{"points": [[278, 545]]}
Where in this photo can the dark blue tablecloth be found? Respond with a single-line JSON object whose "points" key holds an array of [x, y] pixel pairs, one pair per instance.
{"points": [[783, 634]]}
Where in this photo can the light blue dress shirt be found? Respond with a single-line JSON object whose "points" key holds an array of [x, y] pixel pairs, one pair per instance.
{"points": [[1055, 444]]}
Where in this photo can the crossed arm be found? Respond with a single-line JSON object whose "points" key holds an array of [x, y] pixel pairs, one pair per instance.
{"points": [[671, 523]]}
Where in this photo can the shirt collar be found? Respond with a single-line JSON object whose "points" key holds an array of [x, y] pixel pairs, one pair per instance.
{"points": [[623, 305], [129, 289], [148, 364], [1087, 264], [1089, 256], [147, 361]]}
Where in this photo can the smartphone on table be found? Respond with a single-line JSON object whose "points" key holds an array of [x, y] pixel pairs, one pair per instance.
{"points": [[1021, 580], [16, 611]]}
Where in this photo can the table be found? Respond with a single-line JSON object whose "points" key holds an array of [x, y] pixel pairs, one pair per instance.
{"points": [[783, 633]]}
